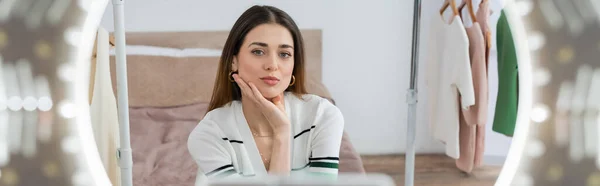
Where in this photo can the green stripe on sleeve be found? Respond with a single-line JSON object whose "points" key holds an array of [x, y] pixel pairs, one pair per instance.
{"points": [[324, 165]]}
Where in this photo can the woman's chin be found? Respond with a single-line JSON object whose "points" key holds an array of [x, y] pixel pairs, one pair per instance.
{"points": [[270, 94]]}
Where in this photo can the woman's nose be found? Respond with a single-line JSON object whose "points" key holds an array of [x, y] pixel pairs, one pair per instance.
{"points": [[271, 63]]}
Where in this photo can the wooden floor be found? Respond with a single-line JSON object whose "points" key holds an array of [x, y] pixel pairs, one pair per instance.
{"points": [[431, 170]]}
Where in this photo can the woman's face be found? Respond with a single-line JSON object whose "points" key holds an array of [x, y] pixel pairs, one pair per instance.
{"points": [[266, 58]]}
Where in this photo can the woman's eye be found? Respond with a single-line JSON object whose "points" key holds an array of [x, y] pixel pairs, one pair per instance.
{"points": [[258, 52], [285, 55]]}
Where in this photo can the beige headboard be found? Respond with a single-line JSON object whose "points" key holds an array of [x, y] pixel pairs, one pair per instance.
{"points": [[160, 81]]}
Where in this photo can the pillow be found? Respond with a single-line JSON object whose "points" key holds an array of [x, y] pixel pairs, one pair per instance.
{"points": [[314, 86], [350, 160], [160, 81]]}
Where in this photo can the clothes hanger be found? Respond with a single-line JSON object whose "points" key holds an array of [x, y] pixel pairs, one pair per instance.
{"points": [[451, 4], [469, 5], [490, 10]]}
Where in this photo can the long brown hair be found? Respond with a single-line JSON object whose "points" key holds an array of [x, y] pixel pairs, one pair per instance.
{"points": [[226, 91]]}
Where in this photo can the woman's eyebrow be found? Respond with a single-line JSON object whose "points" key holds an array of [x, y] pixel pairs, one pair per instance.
{"points": [[266, 45], [286, 46], [259, 44]]}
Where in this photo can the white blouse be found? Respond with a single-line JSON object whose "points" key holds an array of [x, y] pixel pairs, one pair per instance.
{"points": [[448, 76], [223, 146]]}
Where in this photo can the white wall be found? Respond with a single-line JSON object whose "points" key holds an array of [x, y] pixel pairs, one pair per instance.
{"points": [[366, 50]]}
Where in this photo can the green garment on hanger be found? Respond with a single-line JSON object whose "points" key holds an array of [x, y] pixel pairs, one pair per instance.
{"points": [[505, 117]]}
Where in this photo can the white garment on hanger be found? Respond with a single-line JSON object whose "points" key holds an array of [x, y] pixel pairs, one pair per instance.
{"points": [[103, 110], [448, 75]]}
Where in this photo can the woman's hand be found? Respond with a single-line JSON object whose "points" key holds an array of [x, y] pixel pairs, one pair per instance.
{"points": [[273, 110]]}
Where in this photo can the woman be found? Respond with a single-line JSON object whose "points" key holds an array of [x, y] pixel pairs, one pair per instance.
{"points": [[260, 119]]}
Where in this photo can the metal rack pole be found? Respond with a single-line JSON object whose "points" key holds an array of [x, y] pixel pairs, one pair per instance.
{"points": [[411, 99], [124, 152]]}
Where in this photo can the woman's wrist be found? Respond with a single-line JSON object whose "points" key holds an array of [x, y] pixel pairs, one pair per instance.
{"points": [[282, 134], [280, 159], [282, 129]]}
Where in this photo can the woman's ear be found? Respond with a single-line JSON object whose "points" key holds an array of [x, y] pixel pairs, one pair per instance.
{"points": [[234, 64]]}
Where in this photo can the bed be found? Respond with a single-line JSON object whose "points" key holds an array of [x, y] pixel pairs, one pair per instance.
{"points": [[170, 81]]}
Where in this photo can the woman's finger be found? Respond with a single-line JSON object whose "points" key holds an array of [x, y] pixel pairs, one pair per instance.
{"points": [[257, 95], [278, 101], [244, 87], [246, 90], [263, 102]]}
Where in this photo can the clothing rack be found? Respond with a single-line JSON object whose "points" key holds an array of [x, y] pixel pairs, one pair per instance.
{"points": [[124, 152], [411, 99]]}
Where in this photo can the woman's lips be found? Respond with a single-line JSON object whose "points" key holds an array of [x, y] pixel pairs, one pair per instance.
{"points": [[270, 80]]}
